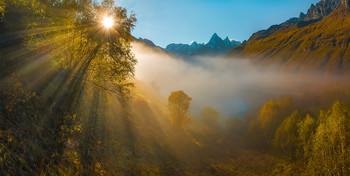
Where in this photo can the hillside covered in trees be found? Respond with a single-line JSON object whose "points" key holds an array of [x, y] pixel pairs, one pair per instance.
{"points": [[70, 105]]}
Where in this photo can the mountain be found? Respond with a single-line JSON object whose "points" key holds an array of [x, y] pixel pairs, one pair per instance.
{"points": [[215, 47], [304, 46], [320, 10], [148, 42], [313, 15]]}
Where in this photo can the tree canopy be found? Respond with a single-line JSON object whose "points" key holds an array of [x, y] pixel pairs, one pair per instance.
{"points": [[178, 105]]}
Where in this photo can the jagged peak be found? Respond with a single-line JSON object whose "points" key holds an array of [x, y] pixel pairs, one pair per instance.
{"points": [[302, 16], [227, 39], [319, 10], [215, 38], [215, 35]]}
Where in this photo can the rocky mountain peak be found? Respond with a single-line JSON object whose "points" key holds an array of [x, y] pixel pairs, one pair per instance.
{"points": [[214, 39], [320, 10], [215, 35], [301, 16], [227, 40]]}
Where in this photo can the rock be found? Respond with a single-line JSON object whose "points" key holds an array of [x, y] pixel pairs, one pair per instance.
{"points": [[320, 10]]}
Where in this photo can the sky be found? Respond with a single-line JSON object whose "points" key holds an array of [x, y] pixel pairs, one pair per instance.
{"points": [[183, 21]]}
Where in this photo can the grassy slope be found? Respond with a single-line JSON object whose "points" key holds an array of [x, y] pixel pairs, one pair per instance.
{"points": [[323, 45]]}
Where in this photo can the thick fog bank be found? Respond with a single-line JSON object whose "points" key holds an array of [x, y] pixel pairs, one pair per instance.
{"points": [[232, 86]]}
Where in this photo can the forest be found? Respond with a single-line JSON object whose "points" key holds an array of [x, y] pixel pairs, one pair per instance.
{"points": [[70, 105]]}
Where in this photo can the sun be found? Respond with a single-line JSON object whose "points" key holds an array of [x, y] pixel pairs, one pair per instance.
{"points": [[108, 22]]}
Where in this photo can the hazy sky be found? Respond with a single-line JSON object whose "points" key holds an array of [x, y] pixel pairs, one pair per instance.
{"points": [[182, 21]]}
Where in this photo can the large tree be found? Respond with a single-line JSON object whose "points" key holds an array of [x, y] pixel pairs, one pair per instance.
{"points": [[71, 34], [178, 105], [79, 56]]}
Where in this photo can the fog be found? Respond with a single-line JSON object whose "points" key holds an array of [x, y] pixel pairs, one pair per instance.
{"points": [[231, 86]]}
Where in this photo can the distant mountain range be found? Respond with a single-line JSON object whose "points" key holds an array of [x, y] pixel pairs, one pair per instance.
{"points": [[215, 47], [318, 40]]}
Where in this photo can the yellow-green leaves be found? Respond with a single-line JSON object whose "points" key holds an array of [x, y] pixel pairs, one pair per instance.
{"points": [[178, 105], [330, 150], [2, 8], [286, 138]]}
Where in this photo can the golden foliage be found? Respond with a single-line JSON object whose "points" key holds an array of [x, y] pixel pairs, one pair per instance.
{"points": [[178, 105]]}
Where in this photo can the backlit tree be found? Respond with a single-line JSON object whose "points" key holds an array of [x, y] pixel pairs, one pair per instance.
{"points": [[178, 105]]}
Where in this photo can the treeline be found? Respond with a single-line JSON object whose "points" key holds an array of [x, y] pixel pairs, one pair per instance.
{"points": [[295, 142], [320, 143], [281, 138]]}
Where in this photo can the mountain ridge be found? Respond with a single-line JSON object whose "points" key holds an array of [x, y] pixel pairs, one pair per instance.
{"points": [[314, 14], [216, 46], [322, 45]]}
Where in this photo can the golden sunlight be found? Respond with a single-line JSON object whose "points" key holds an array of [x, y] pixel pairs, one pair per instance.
{"points": [[108, 22]]}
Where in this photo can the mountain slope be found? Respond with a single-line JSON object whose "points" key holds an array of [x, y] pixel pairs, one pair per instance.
{"points": [[314, 14], [149, 43], [323, 45]]}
